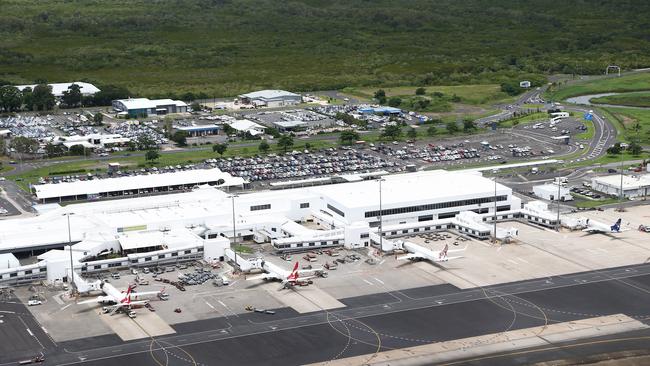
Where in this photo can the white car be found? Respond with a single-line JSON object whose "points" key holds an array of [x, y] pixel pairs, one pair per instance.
{"points": [[34, 302]]}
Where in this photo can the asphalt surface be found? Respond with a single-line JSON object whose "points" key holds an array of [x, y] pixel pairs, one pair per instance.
{"points": [[369, 324]]}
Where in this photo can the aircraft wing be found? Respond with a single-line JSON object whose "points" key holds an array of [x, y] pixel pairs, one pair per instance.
{"points": [[136, 295], [410, 256], [457, 257], [96, 300], [263, 276], [457, 250]]}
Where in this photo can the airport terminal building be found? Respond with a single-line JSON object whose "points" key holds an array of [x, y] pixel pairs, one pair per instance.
{"points": [[200, 223]]}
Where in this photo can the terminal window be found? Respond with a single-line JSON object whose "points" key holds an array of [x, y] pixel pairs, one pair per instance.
{"points": [[304, 205], [261, 207]]}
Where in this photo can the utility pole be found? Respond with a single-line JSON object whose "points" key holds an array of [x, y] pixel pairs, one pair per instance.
{"points": [[381, 233], [67, 215], [234, 228], [621, 195], [557, 225], [494, 238]]}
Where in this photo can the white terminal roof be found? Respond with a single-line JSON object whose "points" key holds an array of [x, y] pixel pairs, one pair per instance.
{"points": [[269, 94], [146, 103], [411, 189], [629, 182], [59, 88], [53, 190]]}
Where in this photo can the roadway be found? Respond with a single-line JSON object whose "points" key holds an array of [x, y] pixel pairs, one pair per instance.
{"points": [[395, 319]]}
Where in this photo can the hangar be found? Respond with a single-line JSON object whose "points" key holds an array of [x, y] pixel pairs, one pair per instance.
{"points": [[637, 185], [58, 88], [271, 98], [137, 107]]}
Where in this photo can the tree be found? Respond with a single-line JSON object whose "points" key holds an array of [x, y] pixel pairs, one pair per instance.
{"points": [[272, 131], [72, 97], [219, 148], [348, 137], [180, 138], [145, 142], [52, 150], [3, 146], [151, 155], [43, 99], [452, 127], [635, 148], [98, 118], [420, 91], [468, 125], [395, 101], [380, 94], [109, 93], [24, 145], [412, 133], [11, 98], [228, 130], [615, 149], [28, 98], [392, 132], [431, 130], [78, 150], [196, 106], [285, 142], [264, 147], [307, 145]]}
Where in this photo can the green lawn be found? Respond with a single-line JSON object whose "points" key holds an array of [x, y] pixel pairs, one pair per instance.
{"points": [[589, 133], [587, 203], [633, 124], [533, 117], [626, 83], [477, 94], [638, 99]]}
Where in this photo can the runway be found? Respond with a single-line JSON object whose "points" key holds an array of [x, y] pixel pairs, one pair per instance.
{"points": [[375, 323]]}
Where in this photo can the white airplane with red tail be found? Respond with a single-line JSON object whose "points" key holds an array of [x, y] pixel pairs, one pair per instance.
{"points": [[116, 299], [277, 273], [417, 252]]}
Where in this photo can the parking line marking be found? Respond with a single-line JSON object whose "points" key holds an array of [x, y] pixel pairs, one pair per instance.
{"points": [[378, 280], [210, 305], [65, 307], [368, 282]]}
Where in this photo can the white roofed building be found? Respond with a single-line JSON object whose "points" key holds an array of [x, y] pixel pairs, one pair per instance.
{"points": [[244, 125], [637, 185], [271, 98], [136, 107], [58, 88]]}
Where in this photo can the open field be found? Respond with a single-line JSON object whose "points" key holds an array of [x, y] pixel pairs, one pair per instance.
{"points": [[224, 48], [636, 123], [627, 83], [469, 94], [639, 99]]}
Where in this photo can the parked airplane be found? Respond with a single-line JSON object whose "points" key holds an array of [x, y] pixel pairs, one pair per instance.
{"points": [[593, 226], [417, 252], [288, 278], [117, 299]]}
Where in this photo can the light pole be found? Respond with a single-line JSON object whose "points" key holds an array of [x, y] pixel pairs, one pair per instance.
{"points": [[621, 196], [381, 233], [494, 238], [557, 225], [234, 228], [67, 215]]}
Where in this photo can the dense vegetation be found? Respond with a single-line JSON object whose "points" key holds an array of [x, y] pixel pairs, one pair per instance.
{"points": [[223, 47]]}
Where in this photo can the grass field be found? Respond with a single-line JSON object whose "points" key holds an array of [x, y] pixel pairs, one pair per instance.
{"points": [[627, 83], [534, 117], [589, 133], [639, 99], [225, 47], [587, 203], [634, 124]]}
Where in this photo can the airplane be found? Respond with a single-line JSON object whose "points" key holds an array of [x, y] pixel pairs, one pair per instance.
{"points": [[593, 226], [288, 278], [417, 252], [117, 299]]}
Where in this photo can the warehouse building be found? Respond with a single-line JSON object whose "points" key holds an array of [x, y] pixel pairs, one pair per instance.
{"points": [[246, 126], [135, 185], [637, 185], [142, 107], [86, 89], [196, 131], [271, 98], [550, 192]]}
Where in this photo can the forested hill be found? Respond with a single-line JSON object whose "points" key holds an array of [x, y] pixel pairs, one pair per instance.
{"points": [[227, 46]]}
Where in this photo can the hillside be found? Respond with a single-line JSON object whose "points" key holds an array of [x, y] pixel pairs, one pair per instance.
{"points": [[222, 47]]}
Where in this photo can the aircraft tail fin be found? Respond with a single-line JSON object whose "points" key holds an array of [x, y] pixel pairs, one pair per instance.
{"points": [[294, 273], [617, 225]]}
